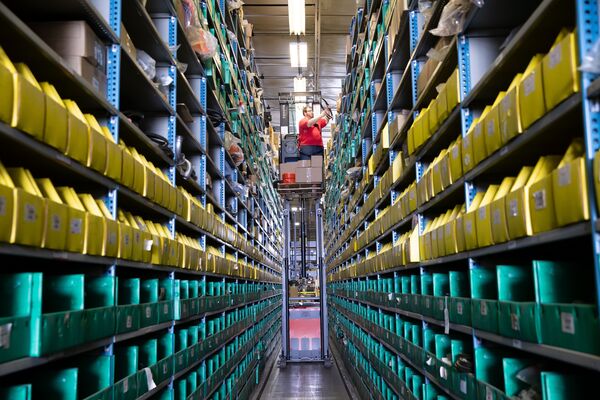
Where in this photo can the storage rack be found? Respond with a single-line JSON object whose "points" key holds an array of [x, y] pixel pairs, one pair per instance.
{"points": [[364, 218], [249, 265]]}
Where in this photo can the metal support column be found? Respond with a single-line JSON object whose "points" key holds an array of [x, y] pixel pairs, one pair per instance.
{"points": [[283, 357], [322, 286]]}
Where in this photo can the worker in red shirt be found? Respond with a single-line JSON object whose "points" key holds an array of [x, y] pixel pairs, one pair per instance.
{"points": [[310, 140]]}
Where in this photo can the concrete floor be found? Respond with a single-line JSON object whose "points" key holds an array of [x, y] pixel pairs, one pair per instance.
{"points": [[305, 381]]}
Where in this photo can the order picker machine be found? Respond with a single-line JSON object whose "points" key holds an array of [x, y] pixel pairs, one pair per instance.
{"points": [[304, 319]]}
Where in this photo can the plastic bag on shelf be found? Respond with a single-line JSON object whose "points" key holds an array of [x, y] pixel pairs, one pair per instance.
{"points": [[203, 42], [438, 55], [425, 9], [233, 148], [453, 17], [234, 4], [147, 63], [591, 60]]}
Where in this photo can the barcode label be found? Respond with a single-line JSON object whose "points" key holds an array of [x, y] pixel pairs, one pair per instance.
{"points": [[75, 226], [514, 322], [529, 84], [564, 175], [496, 217], [567, 323], [483, 309], [148, 312], [482, 213], [55, 222], [513, 208], [30, 212], [459, 308], [555, 56], [539, 199]]}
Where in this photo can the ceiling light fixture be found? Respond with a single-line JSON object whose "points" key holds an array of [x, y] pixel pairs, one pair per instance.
{"points": [[296, 14], [299, 54]]}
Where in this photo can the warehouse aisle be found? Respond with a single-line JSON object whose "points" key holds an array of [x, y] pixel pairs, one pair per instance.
{"points": [[304, 381]]}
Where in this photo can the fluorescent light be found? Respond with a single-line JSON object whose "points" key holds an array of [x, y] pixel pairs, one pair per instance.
{"points": [[299, 54], [297, 223], [296, 15], [294, 209]]}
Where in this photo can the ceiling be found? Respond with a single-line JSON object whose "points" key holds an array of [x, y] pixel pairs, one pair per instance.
{"points": [[326, 48]]}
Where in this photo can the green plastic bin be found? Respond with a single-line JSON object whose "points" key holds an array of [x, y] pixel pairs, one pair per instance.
{"points": [[517, 311], [128, 305], [484, 302], [20, 318], [100, 311], [62, 312]]}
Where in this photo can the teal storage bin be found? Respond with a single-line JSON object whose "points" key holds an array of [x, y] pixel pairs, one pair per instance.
{"points": [[165, 364], [459, 303], [464, 385], [128, 305], [429, 392], [165, 300], [62, 312], [560, 386], [149, 302], [94, 378], [511, 367], [126, 366], [56, 384], [100, 312], [20, 392], [517, 311], [484, 303], [417, 386], [148, 353], [488, 367], [443, 347], [21, 307], [561, 321]]}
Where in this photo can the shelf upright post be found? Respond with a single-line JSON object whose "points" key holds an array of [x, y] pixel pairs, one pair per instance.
{"points": [[113, 78], [587, 34]]}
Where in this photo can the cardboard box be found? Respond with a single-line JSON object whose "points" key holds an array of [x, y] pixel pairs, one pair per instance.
{"points": [[316, 161], [73, 38], [286, 168], [309, 175], [303, 164], [93, 75], [127, 43]]}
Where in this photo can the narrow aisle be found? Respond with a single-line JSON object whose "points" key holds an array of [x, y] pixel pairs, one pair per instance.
{"points": [[304, 381]]}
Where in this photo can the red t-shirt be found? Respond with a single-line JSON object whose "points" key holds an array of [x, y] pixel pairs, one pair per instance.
{"points": [[311, 136]]}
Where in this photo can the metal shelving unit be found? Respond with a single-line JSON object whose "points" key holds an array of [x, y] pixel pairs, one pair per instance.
{"points": [[494, 45], [154, 28]]}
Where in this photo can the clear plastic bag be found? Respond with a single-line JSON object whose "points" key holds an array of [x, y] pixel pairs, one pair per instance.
{"points": [[591, 60], [234, 4], [203, 42], [147, 63], [453, 17], [233, 148]]}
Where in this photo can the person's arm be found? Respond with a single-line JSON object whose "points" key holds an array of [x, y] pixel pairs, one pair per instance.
{"points": [[314, 120]]}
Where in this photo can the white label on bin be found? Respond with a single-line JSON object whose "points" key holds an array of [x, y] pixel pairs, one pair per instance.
{"points": [[129, 321], [149, 380], [567, 323], [468, 226], [555, 56], [513, 208], [483, 308], [459, 308], [482, 213], [443, 373], [564, 175], [166, 308], [514, 322], [126, 385], [490, 127], [148, 312], [463, 386], [455, 152], [5, 335], [539, 199], [489, 395], [390, 296], [55, 222], [2, 205], [112, 238], [30, 212], [529, 84], [467, 159], [496, 217], [76, 226], [148, 245]]}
